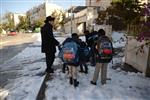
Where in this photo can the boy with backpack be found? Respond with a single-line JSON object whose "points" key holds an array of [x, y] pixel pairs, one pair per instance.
{"points": [[84, 53], [104, 54], [70, 56], [92, 37]]}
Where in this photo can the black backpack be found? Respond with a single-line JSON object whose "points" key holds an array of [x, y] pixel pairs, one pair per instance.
{"points": [[105, 49]]}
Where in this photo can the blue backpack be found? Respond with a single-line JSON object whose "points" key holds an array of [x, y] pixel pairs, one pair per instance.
{"points": [[84, 51], [70, 54]]}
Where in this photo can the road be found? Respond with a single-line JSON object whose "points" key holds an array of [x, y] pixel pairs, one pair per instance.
{"points": [[12, 45], [9, 47]]}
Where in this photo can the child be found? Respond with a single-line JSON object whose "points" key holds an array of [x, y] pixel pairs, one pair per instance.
{"points": [[83, 57], [70, 57]]}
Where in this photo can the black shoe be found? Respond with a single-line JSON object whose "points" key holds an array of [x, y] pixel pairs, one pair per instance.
{"points": [[76, 83], [50, 70], [63, 71], [86, 72], [71, 80], [94, 83], [81, 71], [64, 68]]}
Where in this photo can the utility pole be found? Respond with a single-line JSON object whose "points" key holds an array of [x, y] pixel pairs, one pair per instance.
{"points": [[46, 1], [71, 17]]}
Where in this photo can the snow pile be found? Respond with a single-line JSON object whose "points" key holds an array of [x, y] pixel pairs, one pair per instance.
{"points": [[119, 40]]}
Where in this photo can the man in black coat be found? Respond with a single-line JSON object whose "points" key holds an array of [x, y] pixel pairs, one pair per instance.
{"points": [[49, 43]]}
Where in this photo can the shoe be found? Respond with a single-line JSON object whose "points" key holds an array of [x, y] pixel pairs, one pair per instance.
{"points": [[51, 70], [94, 83], [64, 68], [76, 83], [81, 71], [86, 72], [63, 71], [71, 80]]}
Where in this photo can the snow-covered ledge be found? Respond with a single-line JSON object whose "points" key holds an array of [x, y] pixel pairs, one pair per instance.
{"points": [[133, 56]]}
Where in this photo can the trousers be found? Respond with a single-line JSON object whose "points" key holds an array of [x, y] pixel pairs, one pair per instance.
{"points": [[73, 72], [49, 60], [103, 67]]}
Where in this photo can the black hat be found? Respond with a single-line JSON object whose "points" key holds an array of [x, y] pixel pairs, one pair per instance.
{"points": [[49, 18]]}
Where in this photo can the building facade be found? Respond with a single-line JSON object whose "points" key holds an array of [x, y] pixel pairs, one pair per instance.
{"points": [[14, 17], [42, 11], [76, 22], [103, 4], [144, 1], [84, 19]]}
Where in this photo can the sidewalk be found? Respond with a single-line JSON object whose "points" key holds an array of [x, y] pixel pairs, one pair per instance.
{"points": [[29, 76]]}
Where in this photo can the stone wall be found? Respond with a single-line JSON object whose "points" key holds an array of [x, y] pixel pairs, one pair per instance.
{"points": [[133, 56]]}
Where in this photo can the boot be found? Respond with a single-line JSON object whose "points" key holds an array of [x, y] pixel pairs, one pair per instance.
{"points": [[71, 80], [81, 68], [86, 71], [76, 83], [49, 70], [94, 83], [64, 68]]}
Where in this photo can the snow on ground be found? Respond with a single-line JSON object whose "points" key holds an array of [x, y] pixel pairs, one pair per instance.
{"points": [[119, 39], [28, 65], [29, 77], [122, 86]]}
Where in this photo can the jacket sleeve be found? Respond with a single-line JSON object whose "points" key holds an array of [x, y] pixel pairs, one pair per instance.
{"points": [[51, 37]]}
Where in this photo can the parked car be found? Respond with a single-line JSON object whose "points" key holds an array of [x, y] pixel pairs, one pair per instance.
{"points": [[28, 31], [57, 34], [12, 33]]}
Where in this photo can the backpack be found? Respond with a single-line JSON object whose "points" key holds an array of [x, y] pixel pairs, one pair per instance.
{"points": [[84, 53], [70, 53], [105, 49], [91, 39], [84, 50]]}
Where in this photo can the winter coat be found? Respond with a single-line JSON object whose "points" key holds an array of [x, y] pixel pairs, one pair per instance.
{"points": [[49, 43], [98, 58], [83, 57], [90, 38]]}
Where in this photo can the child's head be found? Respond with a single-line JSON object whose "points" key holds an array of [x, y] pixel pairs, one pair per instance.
{"points": [[74, 36], [101, 32]]}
